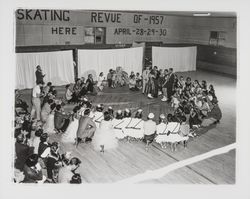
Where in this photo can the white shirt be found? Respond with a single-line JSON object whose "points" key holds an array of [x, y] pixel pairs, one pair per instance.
{"points": [[161, 128], [68, 94], [149, 127], [36, 91], [173, 127], [45, 153], [65, 174], [35, 144], [100, 80]]}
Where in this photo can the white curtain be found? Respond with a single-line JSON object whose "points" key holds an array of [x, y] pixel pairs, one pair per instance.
{"points": [[96, 61], [58, 67], [178, 58]]}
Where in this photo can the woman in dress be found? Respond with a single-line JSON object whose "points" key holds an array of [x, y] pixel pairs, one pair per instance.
{"points": [[101, 78], [151, 86], [46, 110], [70, 134], [49, 126], [104, 137], [161, 131]]}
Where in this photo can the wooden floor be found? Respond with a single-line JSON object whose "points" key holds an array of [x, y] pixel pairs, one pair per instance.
{"points": [[130, 159]]}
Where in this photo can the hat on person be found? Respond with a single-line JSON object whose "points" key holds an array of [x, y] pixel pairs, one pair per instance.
{"points": [[85, 99], [110, 108], [162, 116], [127, 110], [139, 110], [119, 112], [151, 115]]}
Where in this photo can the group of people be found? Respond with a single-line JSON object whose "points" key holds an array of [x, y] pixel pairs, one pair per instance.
{"points": [[158, 82], [194, 106], [37, 160]]}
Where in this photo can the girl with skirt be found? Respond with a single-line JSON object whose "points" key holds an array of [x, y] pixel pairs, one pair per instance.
{"points": [[49, 126], [151, 86], [104, 137], [70, 134]]}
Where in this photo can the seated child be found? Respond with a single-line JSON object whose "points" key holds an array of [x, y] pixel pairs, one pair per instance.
{"points": [[134, 129], [161, 130]]}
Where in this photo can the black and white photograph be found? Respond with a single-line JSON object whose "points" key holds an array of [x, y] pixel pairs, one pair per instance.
{"points": [[125, 96], [142, 97]]}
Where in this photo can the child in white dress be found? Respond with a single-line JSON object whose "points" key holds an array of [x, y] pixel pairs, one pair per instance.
{"points": [[104, 137], [100, 80], [70, 134], [161, 131], [175, 101], [49, 126]]}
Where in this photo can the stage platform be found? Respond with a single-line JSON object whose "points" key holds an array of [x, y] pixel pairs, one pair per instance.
{"points": [[131, 159]]}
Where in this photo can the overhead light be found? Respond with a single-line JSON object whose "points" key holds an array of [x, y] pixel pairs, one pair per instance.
{"points": [[201, 14]]}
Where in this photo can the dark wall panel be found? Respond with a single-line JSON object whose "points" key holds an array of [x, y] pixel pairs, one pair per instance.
{"points": [[217, 55]]}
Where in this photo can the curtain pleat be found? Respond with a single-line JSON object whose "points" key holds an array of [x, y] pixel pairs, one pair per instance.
{"points": [[179, 58], [58, 67], [96, 61]]}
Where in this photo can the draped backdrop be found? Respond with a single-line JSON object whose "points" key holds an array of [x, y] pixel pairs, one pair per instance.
{"points": [[96, 61], [58, 67], [178, 58]]}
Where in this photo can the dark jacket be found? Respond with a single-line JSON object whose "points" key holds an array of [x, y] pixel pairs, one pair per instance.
{"points": [[42, 147], [39, 76], [59, 119], [170, 81], [215, 113], [31, 175], [22, 152]]}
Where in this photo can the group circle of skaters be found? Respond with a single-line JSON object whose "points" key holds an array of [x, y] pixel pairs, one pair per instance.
{"points": [[193, 106]]}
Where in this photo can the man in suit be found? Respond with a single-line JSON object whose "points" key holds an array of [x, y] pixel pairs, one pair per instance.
{"points": [[170, 84], [145, 79], [156, 81], [39, 75], [86, 128]]}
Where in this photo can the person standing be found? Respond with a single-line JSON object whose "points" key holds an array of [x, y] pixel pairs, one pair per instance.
{"points": [[109, 78], [164, 86], [170, 84], [61, 120], [156, 81], [145, 79], [39, 75], [100, 80], [36, 102]]}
